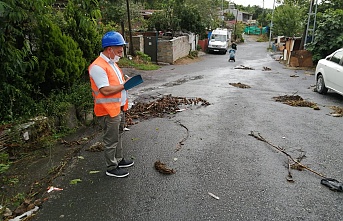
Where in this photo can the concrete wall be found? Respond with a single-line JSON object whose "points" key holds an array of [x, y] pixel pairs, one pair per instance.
{"points": [[138, 43], [169, 51]]}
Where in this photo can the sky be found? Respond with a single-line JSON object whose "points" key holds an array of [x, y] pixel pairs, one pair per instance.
{"points": [[267, 3]]}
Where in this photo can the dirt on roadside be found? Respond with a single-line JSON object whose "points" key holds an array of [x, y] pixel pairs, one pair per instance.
{"points": [[28, 179]]}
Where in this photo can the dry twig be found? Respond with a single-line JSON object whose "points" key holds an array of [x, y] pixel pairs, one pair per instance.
{"points": [[259, 137]]}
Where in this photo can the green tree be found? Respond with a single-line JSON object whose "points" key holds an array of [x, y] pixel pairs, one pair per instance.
{"points": [[263, 19], [113, 11], [330, 4], [167, 19], [158, 21], [80, 22], [191, 20], [229, 16], [300, 3], [287, 20]]}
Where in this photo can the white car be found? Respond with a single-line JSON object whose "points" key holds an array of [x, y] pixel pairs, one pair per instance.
{"points": [[329, 73]]}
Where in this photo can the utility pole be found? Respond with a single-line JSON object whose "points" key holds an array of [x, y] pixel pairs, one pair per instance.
{"points": [[264, 16], [222, 23], [271, 25], [130, 33], [311, 17], [235, 32]]}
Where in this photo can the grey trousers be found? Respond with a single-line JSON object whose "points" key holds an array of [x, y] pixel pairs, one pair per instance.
{"points": [[113, 128]]}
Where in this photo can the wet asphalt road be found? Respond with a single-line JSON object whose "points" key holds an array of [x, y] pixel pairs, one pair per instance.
{"points": [[218, 156]]}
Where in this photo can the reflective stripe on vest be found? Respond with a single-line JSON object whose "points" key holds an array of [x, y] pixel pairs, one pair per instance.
{"points": [[107, 100], [96, 93]]}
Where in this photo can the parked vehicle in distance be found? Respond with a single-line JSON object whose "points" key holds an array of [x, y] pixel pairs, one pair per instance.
{"points": [[219, 40], [329, 73]]}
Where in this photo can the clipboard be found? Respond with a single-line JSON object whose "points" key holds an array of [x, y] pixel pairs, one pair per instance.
{"points": [[133, 82]]}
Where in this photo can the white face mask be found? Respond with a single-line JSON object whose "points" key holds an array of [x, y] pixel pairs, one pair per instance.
{"points": [[116, 58]]}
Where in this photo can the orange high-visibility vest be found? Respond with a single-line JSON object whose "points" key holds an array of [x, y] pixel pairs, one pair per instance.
{"points": [[107, 105]]}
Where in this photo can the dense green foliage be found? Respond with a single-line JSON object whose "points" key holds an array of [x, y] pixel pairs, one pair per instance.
{"points": [[183, 17], [328, 34], [17, 59], [61, 62], [80, 23]]}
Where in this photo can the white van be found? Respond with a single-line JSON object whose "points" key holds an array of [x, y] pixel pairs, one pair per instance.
{"points": [[219, 40]]}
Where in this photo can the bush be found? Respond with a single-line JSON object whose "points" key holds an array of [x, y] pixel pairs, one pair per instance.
{"points": [[193, 54], [61, 61]]}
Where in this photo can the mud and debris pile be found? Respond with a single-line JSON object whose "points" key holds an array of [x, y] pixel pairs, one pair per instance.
{"points": [[239, 85], [159, 108], [244, 67], [337, 111], [162, 168], [295, 101]]}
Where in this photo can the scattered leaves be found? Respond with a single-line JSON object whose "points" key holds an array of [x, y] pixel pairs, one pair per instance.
{"points": [[97, 147], [296, 101], [160, 107]]}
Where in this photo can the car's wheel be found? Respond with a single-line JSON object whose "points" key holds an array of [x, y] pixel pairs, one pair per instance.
{"points": [[320, 85]]}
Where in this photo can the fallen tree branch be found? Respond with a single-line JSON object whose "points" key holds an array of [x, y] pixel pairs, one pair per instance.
{"points": [[259, 137]]}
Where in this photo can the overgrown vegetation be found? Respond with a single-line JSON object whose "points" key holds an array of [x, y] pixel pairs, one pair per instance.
{"points": [[140, 62], [328, 35]]}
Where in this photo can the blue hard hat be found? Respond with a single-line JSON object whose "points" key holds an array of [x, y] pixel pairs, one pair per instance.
{"points": [[112, 38]]}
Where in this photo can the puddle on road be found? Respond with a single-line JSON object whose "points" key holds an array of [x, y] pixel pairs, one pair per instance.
{"points": [[139, 95], [182, 81]]}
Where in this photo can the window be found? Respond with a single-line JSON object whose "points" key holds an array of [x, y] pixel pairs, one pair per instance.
{"points": [[337, 57], [218, 37]]}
